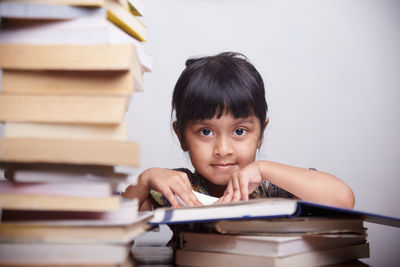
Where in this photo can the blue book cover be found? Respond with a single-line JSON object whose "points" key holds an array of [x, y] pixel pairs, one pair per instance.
{"points": [[262, 209]]}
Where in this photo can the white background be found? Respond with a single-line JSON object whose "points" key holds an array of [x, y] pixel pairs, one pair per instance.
{"points": [[332, 75]]}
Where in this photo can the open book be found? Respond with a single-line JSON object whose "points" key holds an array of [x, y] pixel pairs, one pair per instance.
{"points": [[264, 208]]}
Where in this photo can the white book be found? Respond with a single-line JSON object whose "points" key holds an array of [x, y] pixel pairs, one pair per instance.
{"points": [[56, 254], [26, 10], [77, 189]]}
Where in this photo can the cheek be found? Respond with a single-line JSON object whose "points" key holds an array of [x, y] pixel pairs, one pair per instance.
{"points": [[198, 154], [247, 152]]}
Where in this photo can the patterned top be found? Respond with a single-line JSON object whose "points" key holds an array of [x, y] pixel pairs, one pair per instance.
{"points": [[264, 190]]}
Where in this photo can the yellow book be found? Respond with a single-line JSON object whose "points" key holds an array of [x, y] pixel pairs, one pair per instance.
{"points": [[111, 132], [68, 151], [97, 83], [63, 109], [58, 203], [124, 19], [67, 57]]}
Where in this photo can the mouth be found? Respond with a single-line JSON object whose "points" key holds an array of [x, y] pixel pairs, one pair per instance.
{"points": [[223, 166]]}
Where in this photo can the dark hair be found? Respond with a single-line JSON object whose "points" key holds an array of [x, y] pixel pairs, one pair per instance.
{"points": [[210, 86]]}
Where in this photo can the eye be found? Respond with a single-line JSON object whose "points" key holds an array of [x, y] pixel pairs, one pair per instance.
{"points": [[206, 132], [239, 131]]}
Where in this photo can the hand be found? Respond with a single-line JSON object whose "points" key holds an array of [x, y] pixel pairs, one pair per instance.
{"points": [[170, 182], [243, 182]]}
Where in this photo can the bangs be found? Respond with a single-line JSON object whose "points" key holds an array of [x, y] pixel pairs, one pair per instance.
{"points": [[207, 97]]}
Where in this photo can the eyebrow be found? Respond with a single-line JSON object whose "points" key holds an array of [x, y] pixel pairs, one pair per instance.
{"points": [[239, 121]]}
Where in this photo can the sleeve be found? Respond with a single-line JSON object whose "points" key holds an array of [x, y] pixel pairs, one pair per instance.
{"points": [[271, 190], [268, 190], [275, 191]]}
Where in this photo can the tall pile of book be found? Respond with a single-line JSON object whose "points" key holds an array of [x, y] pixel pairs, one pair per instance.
{"points": [[68, 70]]}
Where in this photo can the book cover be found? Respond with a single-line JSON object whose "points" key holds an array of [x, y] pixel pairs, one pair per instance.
{"points": [[262, 208], [299, 225]]}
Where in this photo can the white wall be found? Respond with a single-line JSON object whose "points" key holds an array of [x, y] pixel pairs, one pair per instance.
{"points": [[332, 72]]}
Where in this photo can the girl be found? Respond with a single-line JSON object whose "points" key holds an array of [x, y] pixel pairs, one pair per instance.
{"points": [[220, 109]]}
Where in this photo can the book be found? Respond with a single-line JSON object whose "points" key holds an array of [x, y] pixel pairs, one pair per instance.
{"points": [[111, 132], [59, 83], [125, 20], [313, 258], [42, 254], [269, 246], [9, 201], [42, 10], [65, 2], [67, 57], [69, 151], [262, 208], [47, 232], [74, 170], [64, 174], [299, 225], [136, 7], [153, 256], [126, 214], [63, 109], [74, 189]]}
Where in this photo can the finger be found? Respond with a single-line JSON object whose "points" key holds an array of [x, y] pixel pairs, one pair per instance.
{"points": [[184, 179], [244, 187], [236, 189], [218, 201], [228, 194], [188, 197], [194, 200], [171, 197]]}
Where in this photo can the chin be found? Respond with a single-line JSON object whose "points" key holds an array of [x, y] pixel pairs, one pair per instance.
{"points": [[219, 181]]}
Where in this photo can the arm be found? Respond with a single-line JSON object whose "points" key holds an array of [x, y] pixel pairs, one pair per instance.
{"points": [[309, 185], [166, 181]]}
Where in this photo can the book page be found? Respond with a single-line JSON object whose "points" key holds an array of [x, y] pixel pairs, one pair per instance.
{"points": [[204, 199]]}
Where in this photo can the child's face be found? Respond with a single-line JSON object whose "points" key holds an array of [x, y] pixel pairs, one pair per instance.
{"points": [[220, 146]]}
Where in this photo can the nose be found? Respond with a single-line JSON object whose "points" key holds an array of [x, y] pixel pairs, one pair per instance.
{"points": [[223, 147]]}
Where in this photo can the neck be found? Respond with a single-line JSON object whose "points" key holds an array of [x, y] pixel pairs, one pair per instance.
{"points": [[215, 189]]}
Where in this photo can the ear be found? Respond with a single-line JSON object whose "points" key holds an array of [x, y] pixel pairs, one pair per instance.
{"points": [[181, 139], [262, 131]]}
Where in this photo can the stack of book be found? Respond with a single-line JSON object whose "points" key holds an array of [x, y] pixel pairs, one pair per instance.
{"points": [[269, 232], [275, 242], [68, 70]]}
